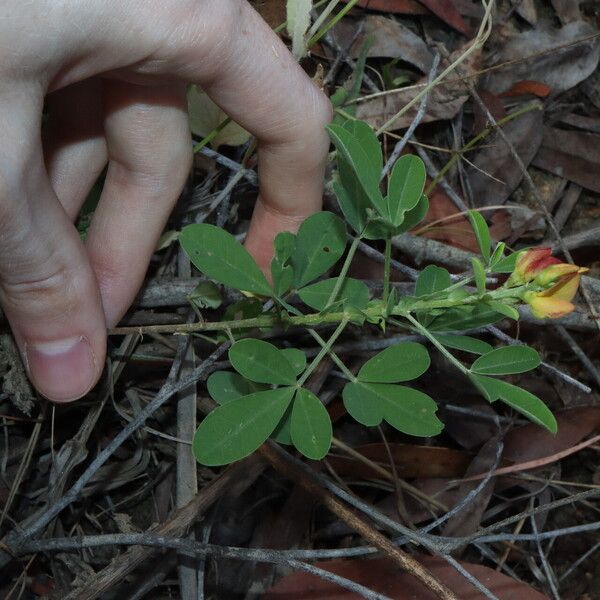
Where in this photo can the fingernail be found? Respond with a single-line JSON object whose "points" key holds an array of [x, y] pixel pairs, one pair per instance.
{"points": [[63, 370]]}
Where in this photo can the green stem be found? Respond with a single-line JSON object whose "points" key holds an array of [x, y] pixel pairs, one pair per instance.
{"points": [[336, 359], [386, 270], [344, 271], [315, 38], [311, 320], [324, 350], [424, 331], [211, 136]]}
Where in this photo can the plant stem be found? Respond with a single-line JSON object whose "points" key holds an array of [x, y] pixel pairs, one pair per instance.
{"points": [[211, 136], [336, 359], [424, 331], [374, 312], [324, 350], [315, 38], [386, 270], [343, 272]]}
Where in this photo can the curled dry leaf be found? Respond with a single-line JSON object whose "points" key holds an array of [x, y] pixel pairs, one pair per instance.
{"points": [[391, 39], [383, 576], [445, 99], [468, 520], [556, 61]]}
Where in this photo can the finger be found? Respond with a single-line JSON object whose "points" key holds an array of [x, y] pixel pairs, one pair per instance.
{"points": [[47, 287], [73, 140], [259, 84], [149, 151]]}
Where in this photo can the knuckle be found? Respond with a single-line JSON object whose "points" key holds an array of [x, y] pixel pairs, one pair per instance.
{"points": [[53, 292]]}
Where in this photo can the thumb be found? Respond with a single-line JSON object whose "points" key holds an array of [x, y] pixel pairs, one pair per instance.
{"points": [[47, 288]]}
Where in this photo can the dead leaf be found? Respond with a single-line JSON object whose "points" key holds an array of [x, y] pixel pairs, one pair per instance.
{"points": [[391, 40], [445, 100], [559, 63], [456, 231], [401, 7], [527, 87], [531, 442], [272, 11], [445, 10], [574, 155], [410, 460], [495, 174], [383, 576], [468, 520], [471, 432], [205, 116], [567, 10], [467, 8], [494, 104], [526, 10]]}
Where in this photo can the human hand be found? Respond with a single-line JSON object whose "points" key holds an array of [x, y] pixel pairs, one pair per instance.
{"points": [[114, 75]]}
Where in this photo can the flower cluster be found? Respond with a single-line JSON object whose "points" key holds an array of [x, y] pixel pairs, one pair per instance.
{"points": [[554, 283]]}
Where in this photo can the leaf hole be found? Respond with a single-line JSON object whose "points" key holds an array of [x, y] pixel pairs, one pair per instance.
{"points": [[326, 249]]}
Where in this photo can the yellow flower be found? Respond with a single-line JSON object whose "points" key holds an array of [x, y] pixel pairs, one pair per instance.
{"points": [[530, 263], [555, 301]]}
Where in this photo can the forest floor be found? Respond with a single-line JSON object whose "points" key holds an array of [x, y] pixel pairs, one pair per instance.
{"points": [[113, 470]]}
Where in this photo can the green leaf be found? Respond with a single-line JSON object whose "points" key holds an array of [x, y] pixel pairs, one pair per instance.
{"points": [[262, 362], [465, 317], [497, 254], [221, 257], [410, 411], [486, 386], [432, 279], [521, 400], [405, 188], [401, 362], [360, 407], [206, 295], [351, 199], [527, 404], [311, 426], [365, 136], [361, 151], [282, 271], [415, 216], [482, 233], [320, 243], [297, 359], [236, 429], [479, 274], [506, 264], [353, 293], [224, 386], [506, 361], [282, 434], [506, 309], [464, 343], [247, 308]]}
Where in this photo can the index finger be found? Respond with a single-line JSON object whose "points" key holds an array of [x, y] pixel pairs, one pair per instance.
{"points": [[253, 77]]}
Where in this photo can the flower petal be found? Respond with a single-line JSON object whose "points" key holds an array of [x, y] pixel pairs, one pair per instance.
{"points": [[550, 308], [564, 289]]}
